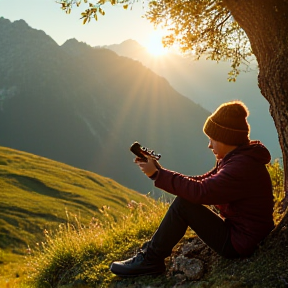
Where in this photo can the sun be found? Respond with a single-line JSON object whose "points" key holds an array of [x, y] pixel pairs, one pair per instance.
{"points": [[154, 45]]}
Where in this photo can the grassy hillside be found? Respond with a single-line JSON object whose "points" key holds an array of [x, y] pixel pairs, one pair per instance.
{"points": [[100, 227], [37, 194], [80, 257]]}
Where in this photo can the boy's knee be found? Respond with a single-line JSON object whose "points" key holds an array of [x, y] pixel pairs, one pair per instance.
{"points": [[181, 203]]}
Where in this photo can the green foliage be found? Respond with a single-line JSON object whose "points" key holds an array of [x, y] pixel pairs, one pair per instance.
{"points": [[277, 176], [276, 172], [94, 8], [195, 27], [202, 28]]}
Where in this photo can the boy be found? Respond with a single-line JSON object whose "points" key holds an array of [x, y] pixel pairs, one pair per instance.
{"points": [[239, 186]]}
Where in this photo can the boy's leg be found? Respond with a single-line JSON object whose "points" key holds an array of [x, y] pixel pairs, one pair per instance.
{"points": [[204, 222], [181, 214]]}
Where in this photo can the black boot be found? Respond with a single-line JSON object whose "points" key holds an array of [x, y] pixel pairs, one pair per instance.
{"points": [[139, 265]]}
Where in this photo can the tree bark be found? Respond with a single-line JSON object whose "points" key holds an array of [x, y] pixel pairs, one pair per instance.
{"points": [[266, 25]]}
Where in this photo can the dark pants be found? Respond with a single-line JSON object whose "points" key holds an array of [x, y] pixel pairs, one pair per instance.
{"points": [[205, 223]]}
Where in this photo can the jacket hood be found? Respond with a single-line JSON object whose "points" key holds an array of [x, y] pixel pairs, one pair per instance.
{"points": [[254, 149]]}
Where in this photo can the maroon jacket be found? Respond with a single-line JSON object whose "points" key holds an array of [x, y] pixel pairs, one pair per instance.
{"points": [[239, 186]]}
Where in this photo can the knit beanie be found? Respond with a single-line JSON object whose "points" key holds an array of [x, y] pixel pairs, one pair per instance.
{"points": [[228, 124]]}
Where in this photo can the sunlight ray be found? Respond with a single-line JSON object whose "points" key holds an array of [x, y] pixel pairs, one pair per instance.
{"points": [[132, 104]]}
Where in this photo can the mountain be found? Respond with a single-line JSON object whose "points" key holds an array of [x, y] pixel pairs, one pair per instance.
{"points": [[85, 106], [38, 194], [205, 82]]}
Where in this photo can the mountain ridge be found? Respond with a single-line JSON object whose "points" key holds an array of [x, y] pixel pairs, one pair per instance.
{"points": [[87, 110]]}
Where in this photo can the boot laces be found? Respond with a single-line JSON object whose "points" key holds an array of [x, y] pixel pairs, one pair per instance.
{"points": [[138, 257]]}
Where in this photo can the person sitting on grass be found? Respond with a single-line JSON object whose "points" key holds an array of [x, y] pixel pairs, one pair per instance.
{"points": [[239, 186]]}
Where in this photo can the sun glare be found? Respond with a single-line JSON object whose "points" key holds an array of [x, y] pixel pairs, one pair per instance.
{"points": [[154, 45]]}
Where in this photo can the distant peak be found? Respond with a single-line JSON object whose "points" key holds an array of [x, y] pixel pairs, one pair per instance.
{"points": [[74, 41], [130, 41], [127, 45], [20, 22], [4, 20]]}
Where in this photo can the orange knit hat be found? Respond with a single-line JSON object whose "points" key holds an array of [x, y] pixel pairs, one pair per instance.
{"points": [[228, 124]]}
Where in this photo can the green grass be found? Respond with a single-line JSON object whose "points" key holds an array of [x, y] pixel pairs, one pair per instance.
{"points": [[83, 254], [38, 194]]}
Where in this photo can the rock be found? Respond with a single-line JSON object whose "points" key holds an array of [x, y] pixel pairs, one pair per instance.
{"points": [[191, 248], [193, 268]]}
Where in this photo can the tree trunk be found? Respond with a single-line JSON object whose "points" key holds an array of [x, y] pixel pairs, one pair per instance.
{"points": [[266, 25]]}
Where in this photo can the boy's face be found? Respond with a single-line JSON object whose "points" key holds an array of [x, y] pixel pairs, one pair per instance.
{"points": [[218, 148]]}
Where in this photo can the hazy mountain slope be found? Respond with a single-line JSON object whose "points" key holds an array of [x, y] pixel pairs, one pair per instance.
{"points": [[38, 193], [205, 82], [85, 106]]}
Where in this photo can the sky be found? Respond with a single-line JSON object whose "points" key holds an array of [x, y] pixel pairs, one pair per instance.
{"points": [[115, 27]]}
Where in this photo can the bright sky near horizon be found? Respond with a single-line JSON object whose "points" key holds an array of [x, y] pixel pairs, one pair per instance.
{"points": [[115, 27]]}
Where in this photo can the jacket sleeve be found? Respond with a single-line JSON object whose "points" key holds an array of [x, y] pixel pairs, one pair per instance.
{"points": [[206, 175], [225, 186]]}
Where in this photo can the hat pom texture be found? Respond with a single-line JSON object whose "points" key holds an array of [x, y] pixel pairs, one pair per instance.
{"points": [[228, 124]]}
